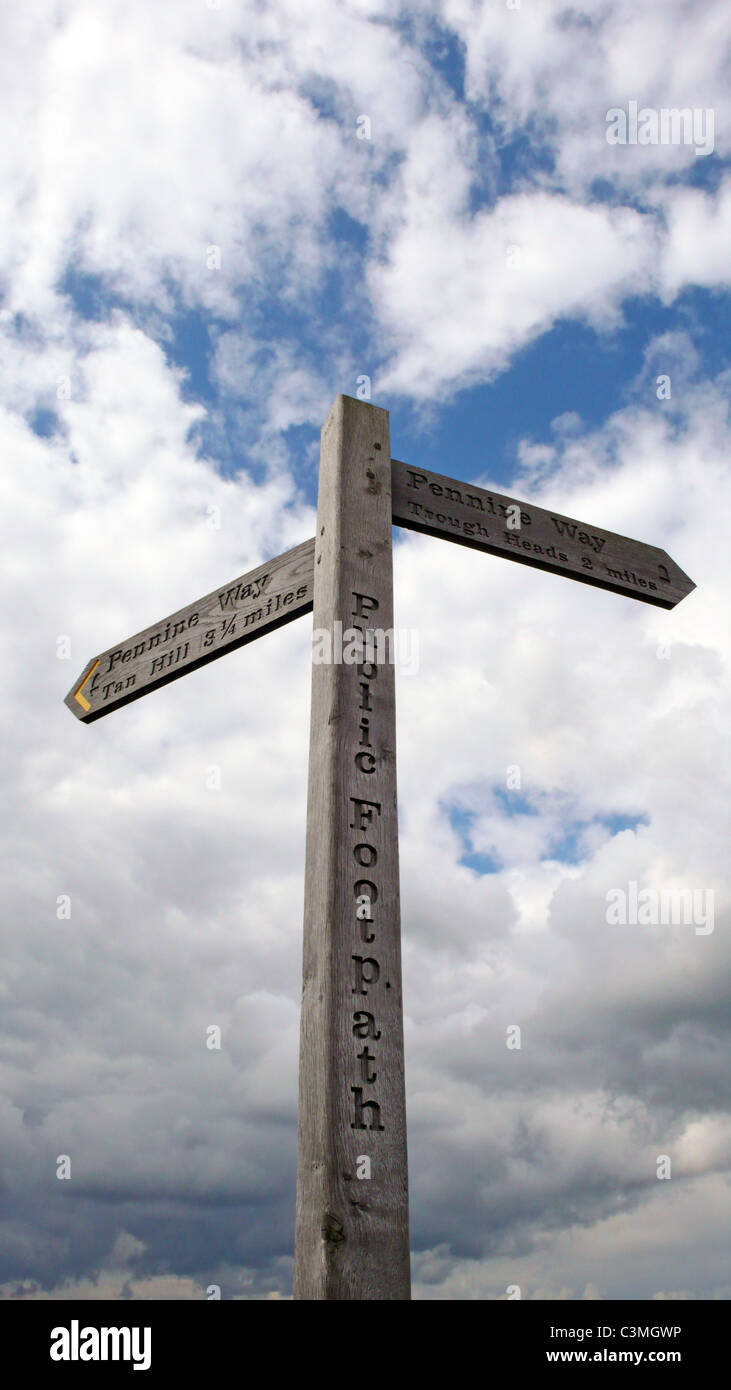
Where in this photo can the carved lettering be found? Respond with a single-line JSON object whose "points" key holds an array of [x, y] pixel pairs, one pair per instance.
{"points": [[363, 911], [364, 816], [364, 813], [571, 529], [166, 634], [366, 1057], [365, 605], [360, 1108], [162, 663], [240, 592], [367, 971], [364, 1025]]}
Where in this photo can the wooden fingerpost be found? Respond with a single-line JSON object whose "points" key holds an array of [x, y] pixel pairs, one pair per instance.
{"points": [[352, 1231]]}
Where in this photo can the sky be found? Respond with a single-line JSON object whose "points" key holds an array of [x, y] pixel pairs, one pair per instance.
{"points": [[215, 217]]}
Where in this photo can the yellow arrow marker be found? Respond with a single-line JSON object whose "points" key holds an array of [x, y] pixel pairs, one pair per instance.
{"points": [[77, 693]]}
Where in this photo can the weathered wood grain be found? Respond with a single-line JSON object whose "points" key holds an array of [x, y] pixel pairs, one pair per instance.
{"points": [[268, 596], [439, 506], [352, 1237]]}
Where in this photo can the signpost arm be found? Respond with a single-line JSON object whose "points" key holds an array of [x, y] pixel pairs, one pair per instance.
{"points": [[352, 1237]]}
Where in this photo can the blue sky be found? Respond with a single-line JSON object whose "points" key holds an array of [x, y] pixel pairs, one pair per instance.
{"points": [[198, 254]]}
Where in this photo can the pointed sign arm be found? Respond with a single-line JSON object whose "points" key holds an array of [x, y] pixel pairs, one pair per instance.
{"points": [[488, 521], [280, 590], [268, 596]]}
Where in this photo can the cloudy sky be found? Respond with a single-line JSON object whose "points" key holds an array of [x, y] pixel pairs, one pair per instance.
{"points": [[214, 217]]}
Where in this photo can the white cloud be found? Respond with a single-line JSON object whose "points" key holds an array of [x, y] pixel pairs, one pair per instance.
{"points": [[557, 69], [130, 154], [186, 904], [134, 144], [461, 295]]}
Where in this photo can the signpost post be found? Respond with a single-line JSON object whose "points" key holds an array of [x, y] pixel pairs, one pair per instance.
{"points": [[352, 1233], [352, 1240]]}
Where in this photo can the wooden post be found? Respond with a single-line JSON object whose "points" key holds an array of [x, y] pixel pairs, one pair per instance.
{"points": [[352, 1232]]}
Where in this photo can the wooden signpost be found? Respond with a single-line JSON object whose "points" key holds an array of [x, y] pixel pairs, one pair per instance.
{"points": [[352, 1237], [255, 603], [547, 540]]}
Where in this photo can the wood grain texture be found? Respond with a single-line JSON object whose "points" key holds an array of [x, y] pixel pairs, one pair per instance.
{"points": [[268, 596], [469, 515], [352, 1238]]}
